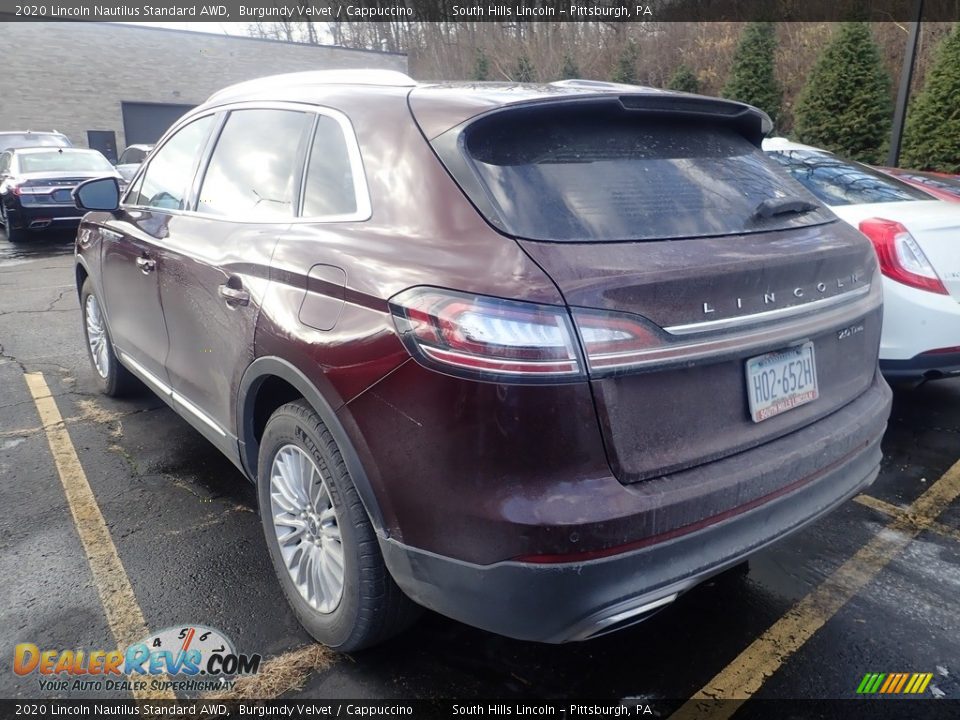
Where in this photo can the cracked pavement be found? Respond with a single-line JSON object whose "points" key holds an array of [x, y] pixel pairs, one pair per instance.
{"points": [[185, 526]]}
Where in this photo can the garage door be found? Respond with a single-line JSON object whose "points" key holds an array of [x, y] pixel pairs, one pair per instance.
{"points": [[146, 122]]}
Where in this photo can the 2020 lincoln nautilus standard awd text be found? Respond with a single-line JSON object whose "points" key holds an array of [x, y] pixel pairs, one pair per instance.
{"points": [[537, 357]]}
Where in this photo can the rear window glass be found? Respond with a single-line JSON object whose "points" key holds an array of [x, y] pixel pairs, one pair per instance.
{"points": [[330, 184], [595, 174], [132, 156], [842, 182], [253, 170], [56, 161]]}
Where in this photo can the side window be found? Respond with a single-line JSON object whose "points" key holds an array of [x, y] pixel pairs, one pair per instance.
{"points": [[167, 180], [4, 163], [253, 170], [329, 188]]}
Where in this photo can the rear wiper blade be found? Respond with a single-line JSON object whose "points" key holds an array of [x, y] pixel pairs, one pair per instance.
{"points": [[781, 206]]}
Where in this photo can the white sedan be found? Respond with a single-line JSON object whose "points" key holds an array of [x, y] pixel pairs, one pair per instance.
{"points": [[917, 239]]}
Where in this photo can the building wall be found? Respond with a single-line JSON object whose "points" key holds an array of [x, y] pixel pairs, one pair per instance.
{"points": [[73, 76]]}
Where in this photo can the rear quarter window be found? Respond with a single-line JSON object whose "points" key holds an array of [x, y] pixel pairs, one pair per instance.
{"points": [[330, 189], [588, 174]]}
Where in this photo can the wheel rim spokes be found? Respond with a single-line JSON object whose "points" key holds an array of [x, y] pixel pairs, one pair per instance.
{"points": [[96, 336], [307, 528]]}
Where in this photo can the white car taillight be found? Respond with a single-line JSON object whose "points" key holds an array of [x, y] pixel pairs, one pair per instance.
{"points": [[901, 258], [486, 337]]}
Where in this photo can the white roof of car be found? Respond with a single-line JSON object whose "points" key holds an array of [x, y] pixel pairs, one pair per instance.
{"points": [[771, 144], [52, 149]]}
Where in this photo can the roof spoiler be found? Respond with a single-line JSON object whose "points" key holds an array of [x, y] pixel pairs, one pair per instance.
{"points": [[656, 100]]}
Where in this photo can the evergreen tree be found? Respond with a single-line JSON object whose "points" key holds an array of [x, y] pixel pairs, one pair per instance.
{"points": [[524, 71], [570, 69], [626, 69], [481, 66], [684, 80], [932, 137], [752, 78], [845, 105]]}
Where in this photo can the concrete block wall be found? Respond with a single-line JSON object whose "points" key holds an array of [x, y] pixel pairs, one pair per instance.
{"points": [[73, 76]]}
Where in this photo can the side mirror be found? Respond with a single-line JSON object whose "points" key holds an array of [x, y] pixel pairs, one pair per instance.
{"points": [[98, 194]]}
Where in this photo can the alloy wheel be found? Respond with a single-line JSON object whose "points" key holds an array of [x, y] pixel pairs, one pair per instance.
{"points": [[307, 528], [96, 336]]}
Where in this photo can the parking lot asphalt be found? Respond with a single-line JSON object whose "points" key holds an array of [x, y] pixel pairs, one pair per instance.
{"points": [[874, 587]]}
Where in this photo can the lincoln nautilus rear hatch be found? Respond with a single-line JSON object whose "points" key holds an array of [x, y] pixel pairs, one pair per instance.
{"points": [[719, 305]]}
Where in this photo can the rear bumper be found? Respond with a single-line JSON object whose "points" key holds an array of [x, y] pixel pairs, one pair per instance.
{"points": [[915, 322], [561, 602], [45, 216], [931, 366]]}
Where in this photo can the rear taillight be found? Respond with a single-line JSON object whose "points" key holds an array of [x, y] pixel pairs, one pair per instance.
{"points": [[509, 341], [26, 189], [614, 341], [901, 258], [487, 338]]}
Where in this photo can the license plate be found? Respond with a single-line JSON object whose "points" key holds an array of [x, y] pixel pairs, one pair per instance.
{"points": [[62, 196], [781, 380]]}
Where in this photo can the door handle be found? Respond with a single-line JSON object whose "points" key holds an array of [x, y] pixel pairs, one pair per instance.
{"points": [[146, 265], [234, 296]]}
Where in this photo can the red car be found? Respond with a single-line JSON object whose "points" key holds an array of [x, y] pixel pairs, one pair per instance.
{"points": [[940, 185], [537, 357]]}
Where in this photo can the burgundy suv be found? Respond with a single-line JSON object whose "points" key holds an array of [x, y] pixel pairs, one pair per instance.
{"points": [[537, 357]]}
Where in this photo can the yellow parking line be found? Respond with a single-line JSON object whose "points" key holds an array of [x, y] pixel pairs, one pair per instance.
{"points": [[116, 594], [901, 514], [746, 674]]}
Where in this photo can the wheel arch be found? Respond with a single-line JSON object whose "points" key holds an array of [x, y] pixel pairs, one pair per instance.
{"points": [[261, 372], [81, 273]]}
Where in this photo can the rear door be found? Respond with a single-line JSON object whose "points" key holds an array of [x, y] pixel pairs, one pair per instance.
{"points": [[683, 253], [218, 258]]}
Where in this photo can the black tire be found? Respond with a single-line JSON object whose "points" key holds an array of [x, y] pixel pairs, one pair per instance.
{"points": [[372, 608], [117, 381], [14, 235]]}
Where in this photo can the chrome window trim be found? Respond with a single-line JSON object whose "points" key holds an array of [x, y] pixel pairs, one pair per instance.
{"points": [[768, 315], [361, 188]]}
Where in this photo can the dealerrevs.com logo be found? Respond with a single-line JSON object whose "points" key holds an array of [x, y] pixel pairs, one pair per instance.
{"points": [[200, 657]]}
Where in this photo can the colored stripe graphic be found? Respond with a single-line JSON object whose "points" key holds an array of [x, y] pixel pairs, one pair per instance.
{"points": [[894, 683]]}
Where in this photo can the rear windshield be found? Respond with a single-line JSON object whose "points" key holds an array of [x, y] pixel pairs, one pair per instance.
{"points": [[132, 156], [600, 175], [64, 161], [844, 182], [19, 140]]}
